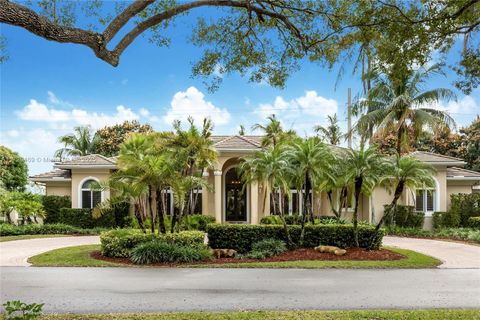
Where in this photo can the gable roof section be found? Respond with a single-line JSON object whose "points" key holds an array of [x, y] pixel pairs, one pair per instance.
{"points": [[55, 175], [90, 161], [237, 143], [455, 173], [434, 158]]}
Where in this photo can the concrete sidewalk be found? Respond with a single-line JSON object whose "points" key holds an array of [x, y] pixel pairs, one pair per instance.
{"points": [[454, 255], [16, 253]]}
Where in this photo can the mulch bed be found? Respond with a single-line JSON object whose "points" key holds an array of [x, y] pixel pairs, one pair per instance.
{"points": [[354, 254]]}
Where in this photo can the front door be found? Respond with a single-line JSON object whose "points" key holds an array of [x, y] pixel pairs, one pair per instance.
{"points": [[235, 198]]}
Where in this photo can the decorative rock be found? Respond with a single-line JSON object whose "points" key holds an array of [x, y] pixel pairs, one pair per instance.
{"points": [[340, 252], [223, 253], [331, 249]]}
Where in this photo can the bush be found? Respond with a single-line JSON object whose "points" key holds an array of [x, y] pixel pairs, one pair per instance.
{"points": [[119, 243], [405, 217], [52, 206], [464, 234], [466, 206], [83, 218], [160, 251], [12, 230], [449, 219], [474, 222], [296, 220], [198, 222], [267, 248], [242, 237]]}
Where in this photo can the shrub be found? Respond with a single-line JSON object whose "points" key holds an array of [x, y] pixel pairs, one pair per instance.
{"points": [[449, 219], [242, 237], [406, 216], [52, 206], [12, 230], [465, 234], [271, 220], [474, 222], [296, 220], [466, 206], [119, 243], [198, 222], [83, 218], [160, 251], [267, 248]]}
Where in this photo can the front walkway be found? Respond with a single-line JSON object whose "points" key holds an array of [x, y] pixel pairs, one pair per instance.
{"points": [[453, 254], [17, 252]]}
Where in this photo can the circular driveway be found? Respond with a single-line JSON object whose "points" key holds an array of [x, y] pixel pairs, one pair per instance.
{"points": [[454, 255], [17, 252]]}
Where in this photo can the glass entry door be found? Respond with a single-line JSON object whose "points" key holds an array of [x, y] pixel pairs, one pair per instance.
{"points": [[235, 198]]}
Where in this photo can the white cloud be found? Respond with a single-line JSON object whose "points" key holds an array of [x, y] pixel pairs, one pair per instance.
{"points": [[97, 120], [144, 112], [35, 111], [53, 98], [465, 105], [310, 106], [192, 103]]}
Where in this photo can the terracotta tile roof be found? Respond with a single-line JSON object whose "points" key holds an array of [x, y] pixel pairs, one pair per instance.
{"points": [[237, 142], [455, 172], [57, 174], [89, 160], [433, 158]]}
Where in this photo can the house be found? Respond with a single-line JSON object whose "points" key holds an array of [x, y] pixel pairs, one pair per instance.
{"points": [[228, 201]]}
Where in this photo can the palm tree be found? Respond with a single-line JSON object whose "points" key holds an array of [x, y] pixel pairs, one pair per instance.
{"points": [[79, 143], [366, 168], [398, 100], [409, 173], [309, 161], [269, 168], [332, 133], [241, 130], [273, 132]]}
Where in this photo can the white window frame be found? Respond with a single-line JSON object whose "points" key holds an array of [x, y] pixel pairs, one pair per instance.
{"points": [[81, 189], [436, 199]]}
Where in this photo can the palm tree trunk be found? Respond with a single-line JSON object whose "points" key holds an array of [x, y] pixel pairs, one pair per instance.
{"points": [[305, 210], [285, 227], [332, 205], [153, 207], [161, 215], [358, 189]]}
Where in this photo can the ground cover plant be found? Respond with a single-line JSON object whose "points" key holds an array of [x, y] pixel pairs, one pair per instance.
{"points": [[45, 229], [158, 251], [267, 248], [462, 234]]}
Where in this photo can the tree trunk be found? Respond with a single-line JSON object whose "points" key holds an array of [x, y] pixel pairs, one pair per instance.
{"points": [[358, 189], [332, 204], [161, 214], [153, 208], [305, 210]]}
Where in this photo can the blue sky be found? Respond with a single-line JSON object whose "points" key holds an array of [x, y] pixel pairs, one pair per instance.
{"points": [[47, 88]]}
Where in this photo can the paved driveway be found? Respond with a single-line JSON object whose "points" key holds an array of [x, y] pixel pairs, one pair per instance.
{"points": [[105, 290], [16, 253], [453, 254]]}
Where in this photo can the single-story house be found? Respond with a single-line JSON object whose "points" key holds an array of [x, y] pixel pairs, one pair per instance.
{"points": [[228, 201]]}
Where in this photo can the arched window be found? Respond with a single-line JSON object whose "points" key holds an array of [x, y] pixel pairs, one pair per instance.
{"points": [[90, 198]]}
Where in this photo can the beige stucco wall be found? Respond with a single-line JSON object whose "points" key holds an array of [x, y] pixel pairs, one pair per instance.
{"points": [[81, 175], [454, 187], [58, 188]]}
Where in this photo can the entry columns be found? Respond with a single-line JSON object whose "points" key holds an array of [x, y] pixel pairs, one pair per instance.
{"points": [[254, 203], [218, 195]]}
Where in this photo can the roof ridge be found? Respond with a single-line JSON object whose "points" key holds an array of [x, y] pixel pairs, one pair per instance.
{"points": [[249, 140], [463, 169], [224, 140], [438, 155]]}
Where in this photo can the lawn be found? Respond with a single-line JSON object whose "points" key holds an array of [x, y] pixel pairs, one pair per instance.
{"points": [[287, 315], [80, 257], [32, 236]]}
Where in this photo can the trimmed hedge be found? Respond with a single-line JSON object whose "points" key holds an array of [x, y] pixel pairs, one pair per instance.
{"points": [[242, 237], [406, 217], [449, 219], [296, 220], [474, 222], [12, 230], [198, 221], [52, 206], [83, 218], [119, 243]]}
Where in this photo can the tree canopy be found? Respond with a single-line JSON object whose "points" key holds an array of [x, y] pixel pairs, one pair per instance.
{"points": [[13, 170], [267, 39]]}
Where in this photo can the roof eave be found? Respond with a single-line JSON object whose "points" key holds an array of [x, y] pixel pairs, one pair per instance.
{"points": [[446, 163], [50, 179], [85, 166], [237, 150], [463, 178]]}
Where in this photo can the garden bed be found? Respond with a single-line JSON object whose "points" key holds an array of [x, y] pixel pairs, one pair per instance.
{"points": [[302, 254]]}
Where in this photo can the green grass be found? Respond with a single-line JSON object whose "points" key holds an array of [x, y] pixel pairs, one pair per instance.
{"points": [[31, 236], [80, 257], [287, 315]]}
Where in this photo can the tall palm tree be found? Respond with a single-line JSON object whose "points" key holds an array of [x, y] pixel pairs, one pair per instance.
{"points": [[366, 168], [332, 133], [79, 143], [269, 168], [309, 160], [241, 130], [399, 100]]}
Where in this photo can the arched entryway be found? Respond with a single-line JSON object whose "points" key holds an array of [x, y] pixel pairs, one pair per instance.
{"points": [[235, 197]]}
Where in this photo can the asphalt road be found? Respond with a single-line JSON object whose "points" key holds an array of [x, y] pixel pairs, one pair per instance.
{"points": [[105, 290]]}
